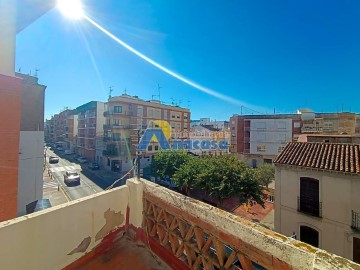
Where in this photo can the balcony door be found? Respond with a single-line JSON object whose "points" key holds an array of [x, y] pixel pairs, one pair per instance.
{"points": [[356, 250], [309, 235], [309, 196]]}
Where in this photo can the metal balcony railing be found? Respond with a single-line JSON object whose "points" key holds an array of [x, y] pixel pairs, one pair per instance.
{"points": [[111, 112], [355, 221], [111, 153], [308, 205]]}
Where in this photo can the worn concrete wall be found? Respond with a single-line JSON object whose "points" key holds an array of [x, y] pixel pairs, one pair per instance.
{"points": [[56, 237], [338, 194], [31, 163]]}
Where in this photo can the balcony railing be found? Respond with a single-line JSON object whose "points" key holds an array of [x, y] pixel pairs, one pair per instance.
{"points": [[111, 153], [111, 112], [308, 205], [111, 126], [122, 126], [355, 221]]}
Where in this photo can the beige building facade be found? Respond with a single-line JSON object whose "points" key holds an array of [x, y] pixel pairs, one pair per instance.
{"points": [[317, 200], [126, 118]]}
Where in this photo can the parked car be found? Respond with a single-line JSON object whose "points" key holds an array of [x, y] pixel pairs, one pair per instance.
{"points": [[68, 152], [53, 160], [72, 178], [82, 160], [94, 166]]}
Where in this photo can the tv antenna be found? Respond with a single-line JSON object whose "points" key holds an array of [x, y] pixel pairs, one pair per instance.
{"points": [[36, 72], [111, 89], [159, 87]]}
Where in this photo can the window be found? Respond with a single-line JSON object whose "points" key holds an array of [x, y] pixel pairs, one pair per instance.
{"points": [[150, 112], [261, 148], [281, 148], [117, 109], [185, 116], [309, 236], [150, 148], [116, 122], [268, 160], [271, 198], [156, 147], [157, 113], [116, 136], [296, 124], [165, 112], [140, 111], [328, 126], [308, 201]]}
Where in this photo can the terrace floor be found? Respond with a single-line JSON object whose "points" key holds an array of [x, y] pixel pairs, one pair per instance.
{"points": [[125, 255]]}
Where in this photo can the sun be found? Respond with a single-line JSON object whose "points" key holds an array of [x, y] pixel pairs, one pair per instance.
{"points": [[71, 9]]}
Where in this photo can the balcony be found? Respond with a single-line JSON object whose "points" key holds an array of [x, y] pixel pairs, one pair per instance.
{"points": [[113, 225], [308, 205], [312, 129], [355, 221], [122, 126], [111, 152], [111, 112]]}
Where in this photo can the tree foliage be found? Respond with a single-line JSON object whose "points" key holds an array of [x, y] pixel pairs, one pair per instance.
{"points": [[265, 174], [221, 176], [166, 163]]}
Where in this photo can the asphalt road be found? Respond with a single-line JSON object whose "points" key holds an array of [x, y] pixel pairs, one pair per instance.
{"points": [[87, 186]]}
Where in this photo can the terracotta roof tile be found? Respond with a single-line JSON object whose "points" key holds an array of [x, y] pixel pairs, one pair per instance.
{"points": [[339, 157]]}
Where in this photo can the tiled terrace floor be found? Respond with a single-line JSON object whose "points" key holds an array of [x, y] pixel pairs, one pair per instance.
{"points": [[124, 255]]}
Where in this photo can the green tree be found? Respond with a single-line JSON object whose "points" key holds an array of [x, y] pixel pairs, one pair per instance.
{"points": [[186, 176], [224, 177], [265, 174], [165, 163]]}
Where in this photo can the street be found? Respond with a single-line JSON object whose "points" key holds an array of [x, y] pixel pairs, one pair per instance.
{"points": [[87, 186]]}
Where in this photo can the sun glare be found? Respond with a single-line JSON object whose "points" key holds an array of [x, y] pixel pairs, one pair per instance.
{"points": [[71, 9]]}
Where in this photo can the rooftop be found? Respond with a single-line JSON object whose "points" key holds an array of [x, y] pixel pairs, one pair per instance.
{"points": [[336, 157]]}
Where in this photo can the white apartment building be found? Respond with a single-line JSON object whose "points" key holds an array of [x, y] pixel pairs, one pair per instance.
{"points": [[222, 125], [317, 196]]}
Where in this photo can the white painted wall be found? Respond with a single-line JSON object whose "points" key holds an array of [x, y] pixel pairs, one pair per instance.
{"points": [[7, 37], [44, 239], [272, 133], [31, 161], [339, 195]]}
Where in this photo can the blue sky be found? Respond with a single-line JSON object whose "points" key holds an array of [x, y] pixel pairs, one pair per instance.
{"points": [[265, 54]]}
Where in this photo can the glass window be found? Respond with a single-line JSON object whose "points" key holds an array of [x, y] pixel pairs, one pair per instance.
{"points": [[117, 109]]}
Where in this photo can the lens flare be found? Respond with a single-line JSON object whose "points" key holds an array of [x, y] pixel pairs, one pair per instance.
{"points": [[166, 70], [71, 9]]}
